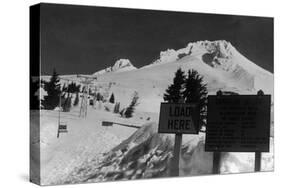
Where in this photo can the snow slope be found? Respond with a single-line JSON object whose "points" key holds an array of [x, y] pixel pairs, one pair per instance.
{"points": [[85, 140]]}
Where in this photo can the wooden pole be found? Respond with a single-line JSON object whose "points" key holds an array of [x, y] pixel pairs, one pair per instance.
{"points": [[216, 162], [81, 105], [126, 125], [258, 154], [175, 171], [257, 161], [176, 157], [59, 116], [87, 96], [217, 154]]}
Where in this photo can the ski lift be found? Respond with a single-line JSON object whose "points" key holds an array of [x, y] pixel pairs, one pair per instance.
{"points": [[62, 126]]}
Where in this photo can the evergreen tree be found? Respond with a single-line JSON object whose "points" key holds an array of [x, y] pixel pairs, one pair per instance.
{"points": [[73, 88], [67, 104], [53, 90], [196, 92], [175, 90], [130, 110], [112, 99], [99, 97], [122, 112], [34, 98], [64, 88], [78, 89], [116, 108], [76, 101]]}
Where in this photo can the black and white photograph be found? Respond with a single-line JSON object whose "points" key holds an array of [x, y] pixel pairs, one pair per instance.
{"points": [[128, 94]]}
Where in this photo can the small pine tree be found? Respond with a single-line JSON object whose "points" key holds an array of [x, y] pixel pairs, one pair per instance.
{"points": [[131, 108], [64, 88], [122, 112], [76, 101], [73, 88], [260, 92], [99, 97], [67, 104], [196, 92], [116, 108], [53, 90], [112, 99], [78, 88], [175, 91]]}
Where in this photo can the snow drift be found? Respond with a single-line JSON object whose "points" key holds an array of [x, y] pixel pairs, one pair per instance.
{"points": [[147, 154]]}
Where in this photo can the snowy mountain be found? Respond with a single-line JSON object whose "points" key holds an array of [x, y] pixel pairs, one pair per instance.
{"points": [[221, 55], [91, 152], [221, 65], [120, 65]]}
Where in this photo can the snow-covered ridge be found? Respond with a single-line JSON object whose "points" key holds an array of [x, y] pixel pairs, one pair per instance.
{"points": [[220, 48], [218, 54], [120, 65]]}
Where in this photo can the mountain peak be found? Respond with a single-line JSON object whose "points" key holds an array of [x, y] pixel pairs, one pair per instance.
{"points": [[219, 48], [123, 64], [120, 65]]}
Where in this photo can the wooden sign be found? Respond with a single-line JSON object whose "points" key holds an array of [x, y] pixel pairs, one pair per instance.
{"points": [[107, 123], [238, 123], [63, 128], [178, 118]]}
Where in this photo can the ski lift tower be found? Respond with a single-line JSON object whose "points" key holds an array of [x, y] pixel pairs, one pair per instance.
{"points": [[62, 126], [87, 81]]}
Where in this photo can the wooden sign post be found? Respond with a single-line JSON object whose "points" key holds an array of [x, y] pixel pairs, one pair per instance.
{"points": [[178, 119], [216, 154], [176, 156], [238, 123], [257, 161], [258, 153], [216, 162]]}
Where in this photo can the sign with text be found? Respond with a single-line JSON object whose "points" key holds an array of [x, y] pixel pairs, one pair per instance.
{"points": [[178, 118], [238, 123]]}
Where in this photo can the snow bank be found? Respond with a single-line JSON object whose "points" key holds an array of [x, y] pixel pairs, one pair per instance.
{"points": [[147, 154]]}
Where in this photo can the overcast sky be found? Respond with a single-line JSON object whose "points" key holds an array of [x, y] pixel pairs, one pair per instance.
{"points": [[81, 39]]}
